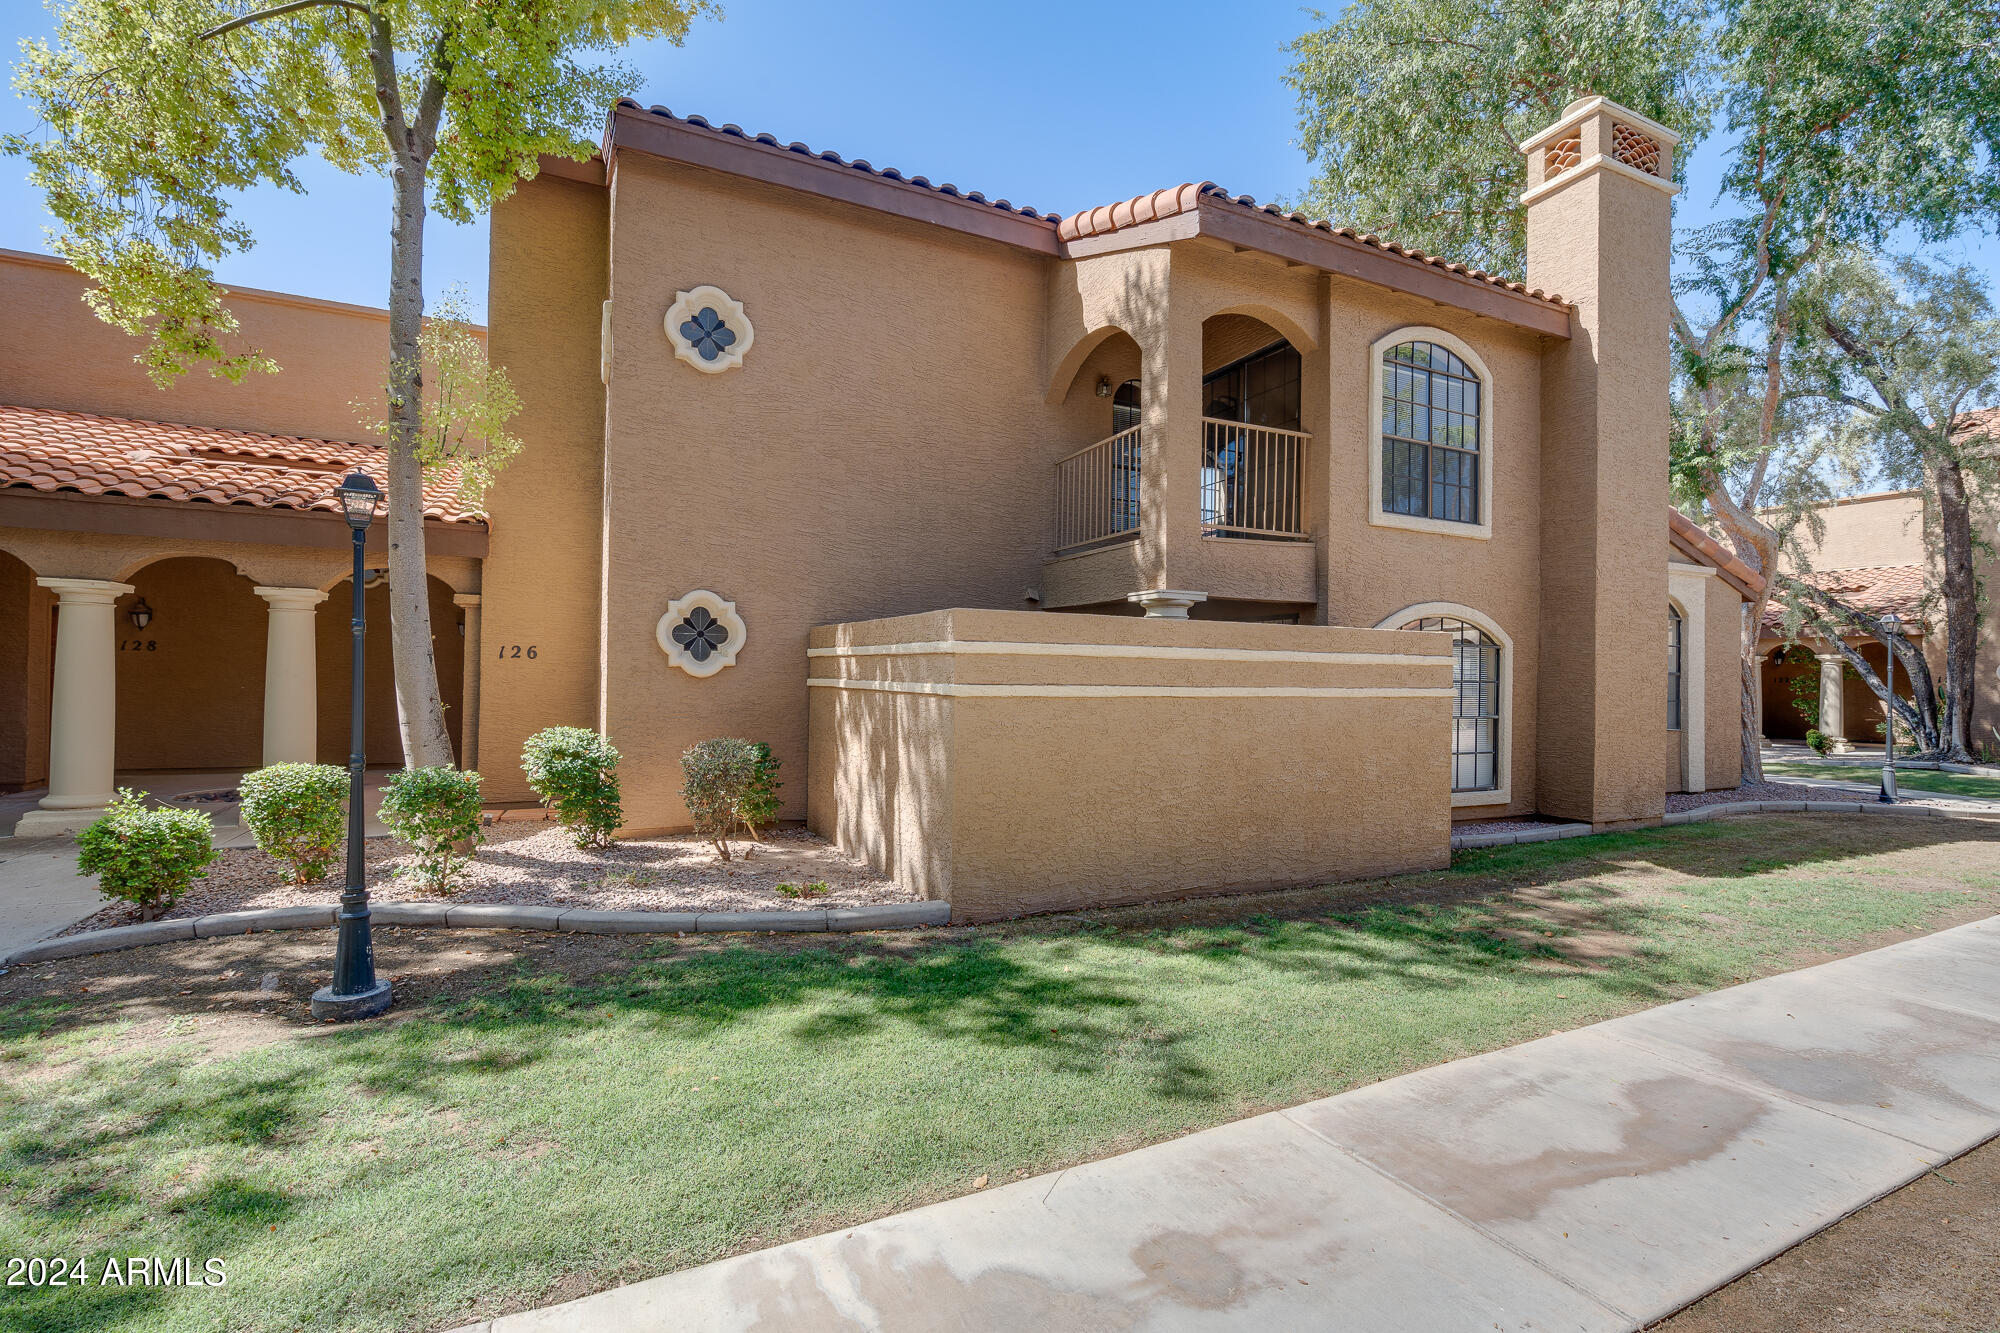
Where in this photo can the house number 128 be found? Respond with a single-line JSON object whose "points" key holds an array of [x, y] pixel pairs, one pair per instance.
{"points": [[516, 650]]}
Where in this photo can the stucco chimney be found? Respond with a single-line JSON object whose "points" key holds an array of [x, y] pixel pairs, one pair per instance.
{"points": [[1599, 202]]}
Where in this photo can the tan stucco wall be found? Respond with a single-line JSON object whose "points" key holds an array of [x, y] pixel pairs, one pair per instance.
{"points": [[886, 448], [54, 352], [1866, 532], [1603, 241], [333, 644], [1372, 573], [549, 278], [1724, 703], [1008, 778], [191, 684], [25, 624]]}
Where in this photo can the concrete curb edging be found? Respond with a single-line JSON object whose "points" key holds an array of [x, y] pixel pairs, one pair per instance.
{"points": [[1701, 814], [487, 916]]}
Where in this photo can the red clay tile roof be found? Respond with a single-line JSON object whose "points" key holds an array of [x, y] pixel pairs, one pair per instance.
{"points": [[1980, 421], [48, 450], [1106, 219], [1690, 536], [858, 164], [1881, 589], [1133, 212]]}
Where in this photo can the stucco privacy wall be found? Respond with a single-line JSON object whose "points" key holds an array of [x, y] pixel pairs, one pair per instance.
{"points": [[55, 353], [550, 276], [886, 448], [1011, 762]]}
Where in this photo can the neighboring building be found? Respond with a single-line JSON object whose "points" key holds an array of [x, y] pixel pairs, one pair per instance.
{"points": [[782, 409], [1873, 557]]}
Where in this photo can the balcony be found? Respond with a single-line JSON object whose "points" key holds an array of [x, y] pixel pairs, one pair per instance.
{"points": [[1252, 480], [1252, 542], [1097, 494]]}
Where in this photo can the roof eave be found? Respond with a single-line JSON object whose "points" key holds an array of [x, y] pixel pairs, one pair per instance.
{"points": [[775, 164], [1222, 219]]}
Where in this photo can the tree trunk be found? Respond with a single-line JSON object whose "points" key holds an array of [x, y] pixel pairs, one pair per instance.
{"points": [[1961, 608], [419, 708]]}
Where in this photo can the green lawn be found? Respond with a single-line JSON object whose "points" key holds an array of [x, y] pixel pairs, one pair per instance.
{"points": [[1917, 779], [554, 1114]]}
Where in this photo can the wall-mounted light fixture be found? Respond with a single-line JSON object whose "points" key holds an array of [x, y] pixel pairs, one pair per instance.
{"points": [[1103, 386], [139, 614]]}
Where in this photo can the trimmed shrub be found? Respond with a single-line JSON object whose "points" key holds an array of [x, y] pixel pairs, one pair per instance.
{"points": [[717, 777], [574, 772], [436, 812], [298, 814], [144, 855], [759, 806], [1817, 742]]}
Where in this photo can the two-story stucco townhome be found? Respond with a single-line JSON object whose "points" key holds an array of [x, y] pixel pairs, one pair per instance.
{"points": [[1173, 546]]}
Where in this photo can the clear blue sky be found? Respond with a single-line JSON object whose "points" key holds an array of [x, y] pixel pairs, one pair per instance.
{"points": [[1117, 99]]}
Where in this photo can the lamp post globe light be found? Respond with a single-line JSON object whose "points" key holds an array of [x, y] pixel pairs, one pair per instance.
{"points": [[1894, 624], [355, 991]]}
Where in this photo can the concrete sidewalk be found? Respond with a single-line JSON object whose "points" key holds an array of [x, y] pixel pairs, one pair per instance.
{"points": [[1593, 1180]]}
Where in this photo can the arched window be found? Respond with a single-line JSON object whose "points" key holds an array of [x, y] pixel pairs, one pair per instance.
{"points": [[1675, 637], [1430, 433], [1475, 710]]}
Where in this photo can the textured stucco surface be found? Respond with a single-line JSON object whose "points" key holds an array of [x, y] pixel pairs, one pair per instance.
{"points": [[1026, 798], [55, 353], [550, 277], [1602, 240]]}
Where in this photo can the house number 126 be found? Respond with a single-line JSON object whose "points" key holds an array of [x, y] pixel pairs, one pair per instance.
{"points": [[516, 650]]}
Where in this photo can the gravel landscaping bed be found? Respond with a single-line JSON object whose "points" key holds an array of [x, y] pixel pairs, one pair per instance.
{"points": [[537, 864]]}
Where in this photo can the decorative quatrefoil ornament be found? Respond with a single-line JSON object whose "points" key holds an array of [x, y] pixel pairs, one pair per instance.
{"points": [[709, 330], [701, 633]]}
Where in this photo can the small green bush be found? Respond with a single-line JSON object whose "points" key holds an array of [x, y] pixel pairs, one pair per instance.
{"points": [[575, 773], [145, 856], [1817, 742], [298, 814], [717, 777], [759, 806], [435, 811]]}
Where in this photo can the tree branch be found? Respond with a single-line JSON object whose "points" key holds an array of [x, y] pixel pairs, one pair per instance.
{"points": [[278, 11]]}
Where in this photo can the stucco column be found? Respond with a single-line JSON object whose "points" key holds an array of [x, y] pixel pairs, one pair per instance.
{"points": [[468, 725], [291, 680], [1169, 336], [1600, 231], [83, 713], [1832, 707]]}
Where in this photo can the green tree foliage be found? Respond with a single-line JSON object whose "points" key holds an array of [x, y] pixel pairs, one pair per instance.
{"points": [[155, 114], [1904, 349], [1413, 110], [1843, 120]]}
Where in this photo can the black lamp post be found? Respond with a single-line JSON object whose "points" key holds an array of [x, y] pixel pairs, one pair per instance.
{"points": [[355, 992]]}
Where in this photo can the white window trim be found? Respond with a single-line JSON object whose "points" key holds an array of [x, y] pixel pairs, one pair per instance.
{"points": [[1483, 529], [1504, 760], [1687, 588]]}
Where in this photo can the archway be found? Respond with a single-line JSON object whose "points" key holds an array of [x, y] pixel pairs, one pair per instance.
{"points": [[1253, 470], [191, 677], [27, 620], [335, 645]]}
